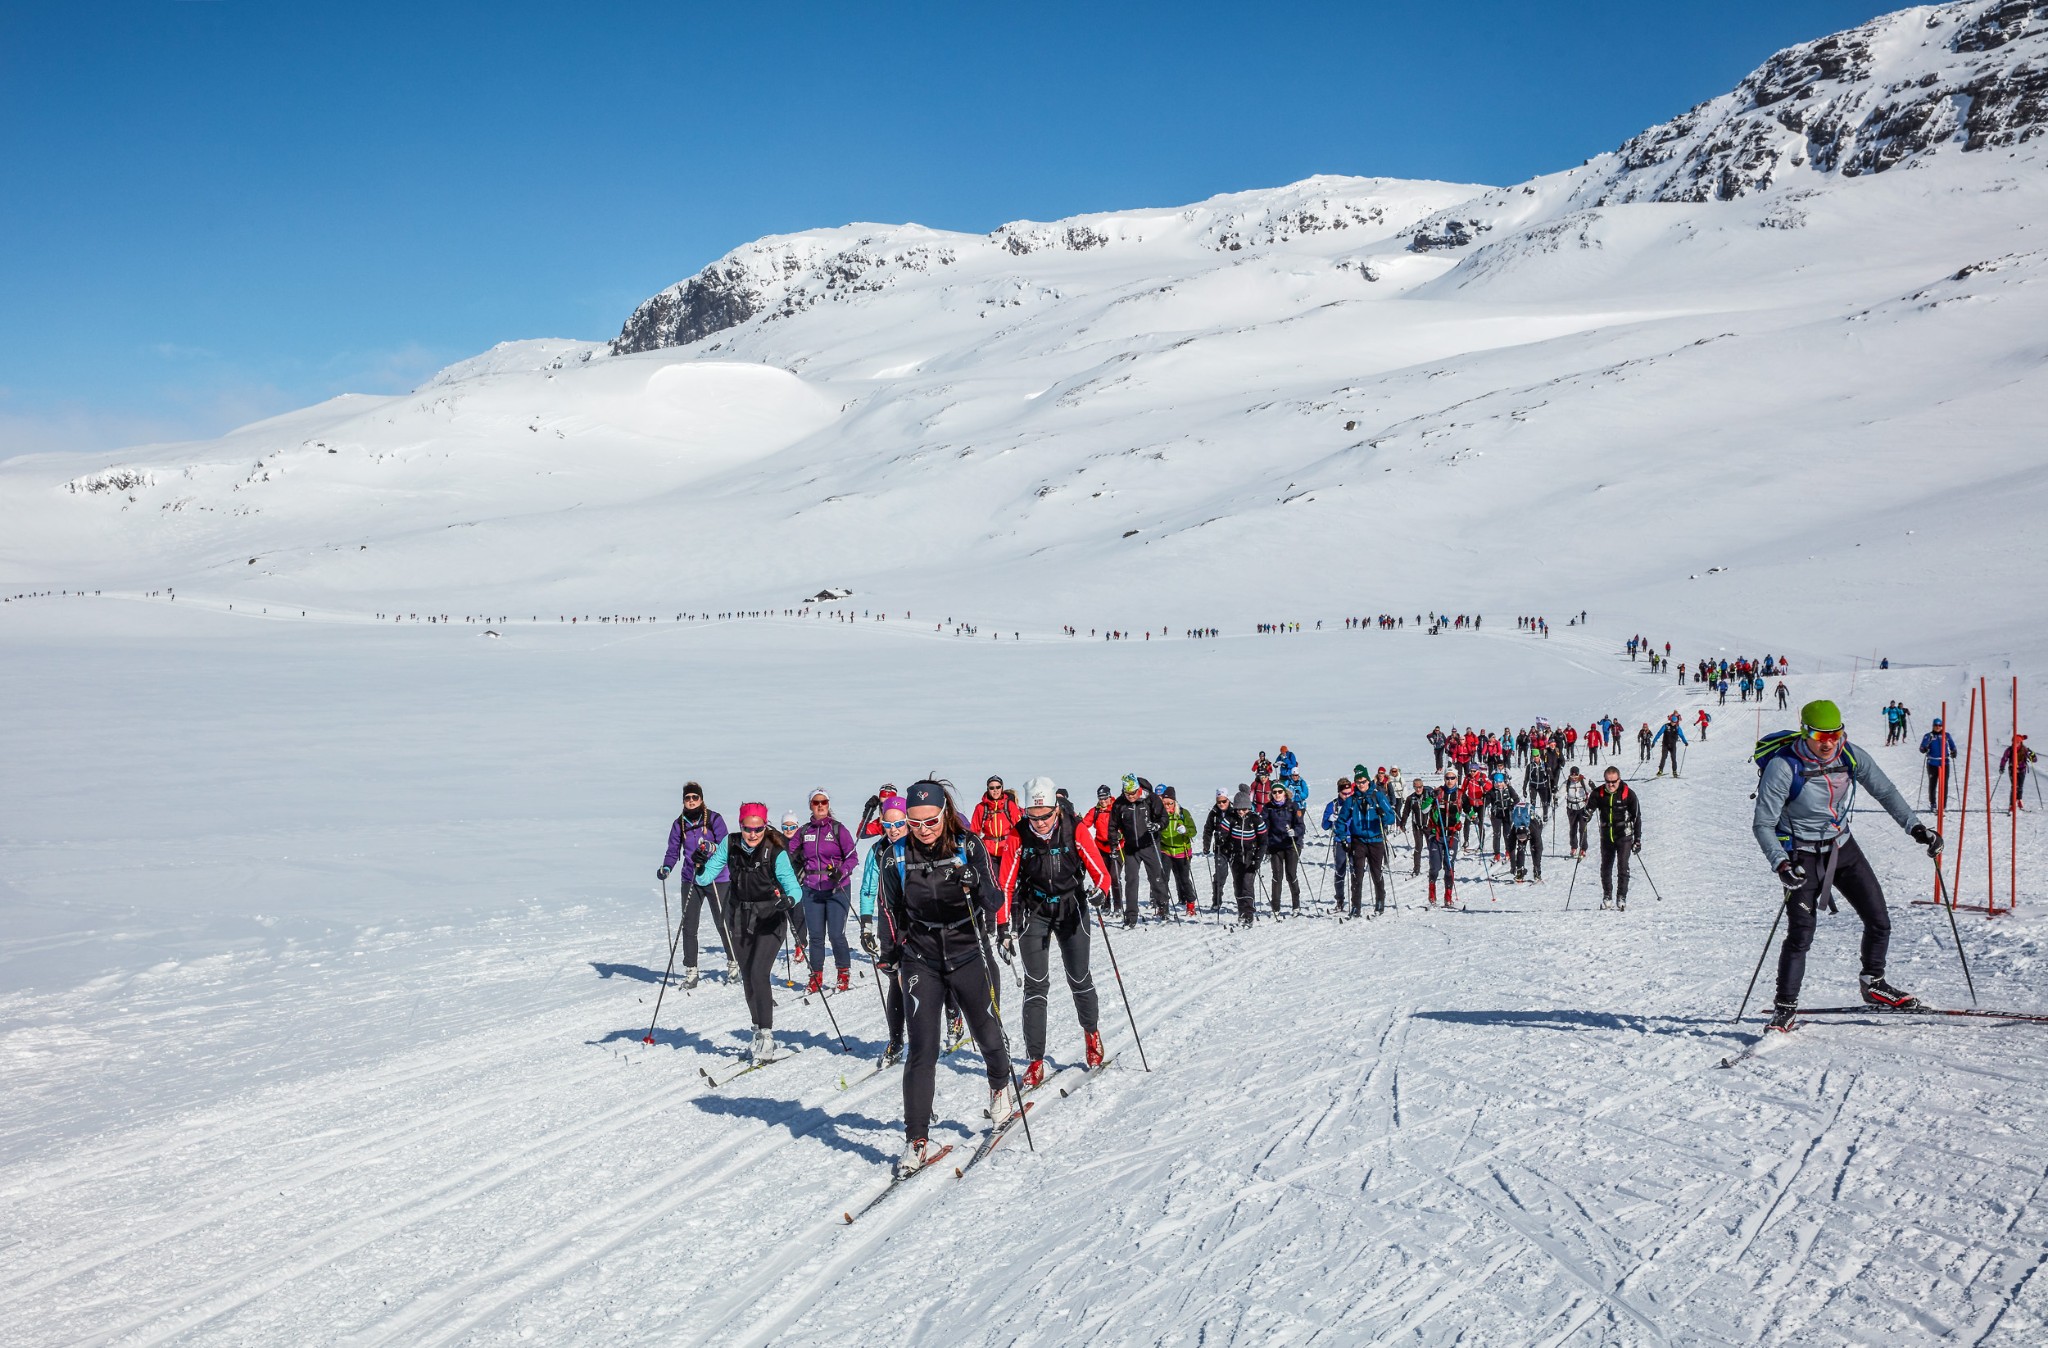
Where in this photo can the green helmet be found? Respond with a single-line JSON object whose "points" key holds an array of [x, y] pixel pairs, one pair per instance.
{"points": [[1820, 714]]}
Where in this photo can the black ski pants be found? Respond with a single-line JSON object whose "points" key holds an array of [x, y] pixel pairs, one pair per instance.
{"points": [[1575, 828], [693, 899], [1364, 857], [1034, 947], [1244, 876], [1669, 755], [892, 1005], [926, 991], [1219, 871], [1439, 756], [1937, 793], [1181, 869], [1421, 849], [761, 929], [1500, 831], [1613, 856], [1852, 878], [1146, 857], [1285, 860]]}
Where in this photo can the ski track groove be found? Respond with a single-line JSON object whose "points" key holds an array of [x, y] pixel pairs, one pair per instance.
{"points": [[282, 1266], [564, 1249], [330, 1162]]}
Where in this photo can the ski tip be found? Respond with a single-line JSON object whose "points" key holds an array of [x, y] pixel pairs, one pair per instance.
{"points": [[848, 1216], [958, 1172]]}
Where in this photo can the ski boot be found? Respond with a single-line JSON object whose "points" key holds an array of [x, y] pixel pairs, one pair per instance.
{"points": [[1784, 1018], [1094, 1042], [1191, 909], [1002, 1105], [1356, 911], [913, 1159], [817, 981], [732, 970], [764, 1044], [1432, 893], [956, 1029], [1621, 904], [1449, 902], [1877, 992], [845, 980], [1034, 1075], [689, 977]]}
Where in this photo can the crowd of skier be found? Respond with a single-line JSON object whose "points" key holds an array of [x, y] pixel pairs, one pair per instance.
{"points": [[940, 891]]}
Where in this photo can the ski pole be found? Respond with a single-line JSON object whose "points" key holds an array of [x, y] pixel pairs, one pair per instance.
{"points": [[1576, 862], [716, 901], [1647, 876], [1942, 892], [883, 994], [667, 923], [826, 998], [673, 941], [1760, 958], [995, 1009], [1123, 991]]}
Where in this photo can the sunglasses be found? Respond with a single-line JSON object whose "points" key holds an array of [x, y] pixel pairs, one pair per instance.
{"points": [[922, 824], [753, 828], [691, 795], [895, 823], [816, 801]]}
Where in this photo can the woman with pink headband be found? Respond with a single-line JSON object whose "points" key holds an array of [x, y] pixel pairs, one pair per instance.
{"points": [[762, 896]]}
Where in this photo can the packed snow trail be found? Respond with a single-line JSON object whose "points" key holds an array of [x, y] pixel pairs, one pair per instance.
{"points": [[344, 1045]]}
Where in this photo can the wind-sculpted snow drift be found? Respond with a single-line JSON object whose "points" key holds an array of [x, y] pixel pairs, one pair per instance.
{"points": [[1823, 285]]}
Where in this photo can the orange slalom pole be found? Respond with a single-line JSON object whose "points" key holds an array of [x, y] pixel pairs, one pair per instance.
{"points": [[1940, 810], [1963, 809], [1990, 829]]}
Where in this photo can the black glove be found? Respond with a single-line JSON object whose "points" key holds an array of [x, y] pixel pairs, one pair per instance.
{"points": [[1791, 873], [1636, 848], [886, 968], [874, 803], [969, 881], [701, 853], [1927, 838], [867, 937], [661, 874], [1006, 944]]}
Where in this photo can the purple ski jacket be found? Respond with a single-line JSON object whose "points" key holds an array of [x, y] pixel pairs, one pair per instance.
{"points": [[707, 834], [823, 854]]}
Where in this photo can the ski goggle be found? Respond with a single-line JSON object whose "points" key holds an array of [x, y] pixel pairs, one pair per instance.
{"points": [[1825, 737]]}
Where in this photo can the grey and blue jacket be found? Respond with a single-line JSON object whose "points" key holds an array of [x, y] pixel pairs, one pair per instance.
{"points": [[1819, 814]]}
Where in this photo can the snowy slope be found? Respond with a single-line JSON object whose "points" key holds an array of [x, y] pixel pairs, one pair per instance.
{"points": [[336, 1039], [327, 945], [1778, 294]]}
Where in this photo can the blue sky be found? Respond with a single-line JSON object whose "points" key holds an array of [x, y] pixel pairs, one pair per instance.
{"points": [[214, 211]]}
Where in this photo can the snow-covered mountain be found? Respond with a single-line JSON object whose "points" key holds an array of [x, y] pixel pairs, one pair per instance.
{"points": [[1821, 286]]}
